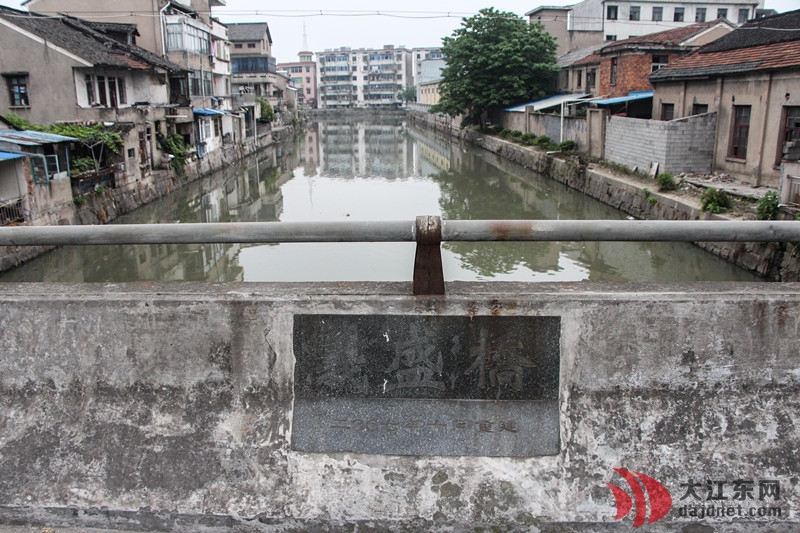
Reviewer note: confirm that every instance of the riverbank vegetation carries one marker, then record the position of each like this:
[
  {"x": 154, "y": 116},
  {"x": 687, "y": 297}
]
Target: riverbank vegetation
[{"x": 495, "y": 59}]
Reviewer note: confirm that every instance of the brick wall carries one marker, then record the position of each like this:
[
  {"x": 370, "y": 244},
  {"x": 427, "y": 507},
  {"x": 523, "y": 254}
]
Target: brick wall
[
  {"x": 632, "y": 73},
  {"x": 682, "y": 145}
]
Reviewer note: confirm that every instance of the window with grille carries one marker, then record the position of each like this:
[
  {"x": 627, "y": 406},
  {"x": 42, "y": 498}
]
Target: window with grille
[
  {"x": 678, "y": 16},
  {"x": 658, "y": 14},
  {"x": 18, "y": 90},
  {"x": 700, "y": 14},
  {"x": 741, "y": 131},
  {"x": 635, "y": 13},
  {"x": 612, "y": 12}
]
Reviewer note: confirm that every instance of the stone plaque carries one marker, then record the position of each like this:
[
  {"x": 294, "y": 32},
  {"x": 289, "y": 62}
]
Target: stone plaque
[{"x": 426, "y": 385}]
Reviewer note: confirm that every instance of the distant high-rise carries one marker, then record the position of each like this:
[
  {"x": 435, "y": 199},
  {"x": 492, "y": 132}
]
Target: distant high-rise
[{"x": 363, "y": 77}]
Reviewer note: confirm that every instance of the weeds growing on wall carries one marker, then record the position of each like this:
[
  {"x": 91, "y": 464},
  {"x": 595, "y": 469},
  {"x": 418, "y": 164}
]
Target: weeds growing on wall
[
  {"x": 716, "y": 201},
  {"x": 767, "y": 207}
]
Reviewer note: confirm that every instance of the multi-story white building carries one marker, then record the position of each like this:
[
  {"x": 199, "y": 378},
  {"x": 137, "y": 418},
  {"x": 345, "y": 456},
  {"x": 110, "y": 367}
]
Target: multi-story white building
[
  {"x": 428, "y": 63},
  {"x": 593, "y": 22},
  {"x": 363, "y": 77}
]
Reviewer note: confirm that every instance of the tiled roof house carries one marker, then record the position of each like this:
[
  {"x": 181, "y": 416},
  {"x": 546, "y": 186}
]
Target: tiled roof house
[{"x": 751, "y": 79}]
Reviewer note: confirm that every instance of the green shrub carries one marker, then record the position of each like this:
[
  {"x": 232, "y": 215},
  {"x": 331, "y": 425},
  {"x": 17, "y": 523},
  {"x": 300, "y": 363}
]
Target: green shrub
[
  {"x": 81, "y": 164},
  {"x": 516, "y": 134},
  {"x": 566, "y": 146},
  {"x": 666, "y": 182},
  {"x": 528, "y": 138},
  {"x": 716, "y": 201},
  {"x": 505, "y": 133},
  {"x": 495, "y": 130},
  {"x": 767, "y": 207},
  {"x": 173, "y": 144}
]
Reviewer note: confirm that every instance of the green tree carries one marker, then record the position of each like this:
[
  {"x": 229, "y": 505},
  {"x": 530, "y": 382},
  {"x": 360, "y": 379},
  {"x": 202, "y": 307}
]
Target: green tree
[
  {"x": 495, "y": 59},
  {"x": 267, "y": 113},
  {"x": 409, "y": 94}
]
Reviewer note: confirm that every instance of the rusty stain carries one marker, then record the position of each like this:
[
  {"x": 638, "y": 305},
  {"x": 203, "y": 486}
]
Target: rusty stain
[
  {"x": 505, "y": 230},
  {"x": 428, "y": 273},
  {"x": 472, "y": 310}
]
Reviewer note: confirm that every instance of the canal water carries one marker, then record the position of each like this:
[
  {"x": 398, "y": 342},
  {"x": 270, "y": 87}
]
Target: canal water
[{"x": 342, "y": 170}]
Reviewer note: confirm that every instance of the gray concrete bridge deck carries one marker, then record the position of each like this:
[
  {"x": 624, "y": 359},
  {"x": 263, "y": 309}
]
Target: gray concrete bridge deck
[{"x": 169, "y": 407}]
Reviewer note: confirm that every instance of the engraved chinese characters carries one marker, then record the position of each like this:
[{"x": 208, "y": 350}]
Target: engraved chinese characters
[{"x": 419, "y": 385}]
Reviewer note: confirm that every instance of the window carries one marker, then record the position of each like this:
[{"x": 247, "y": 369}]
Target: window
[
  {"x": 678, "y": 16},
  {"x": 791, "y": 131},
  {"x": 184, "y": 37},
  {"x": 579, "y": 79},
  {"x": 636, "y": 13},
  {"x": 591, "y": 78},
  {"x": 614, "y": 71},
  {"x": 611, "y": 12},
  {"x": 18, "y": 90},
  {"x": 251, "y": 45},
  {"x": 308, "y": 79},
  {"x": 722, "y": 13},
  {"x": 200, "y": 85},
  {"x": 611, "y": 37},
  {"x": 308, "y": 91},
  {"x": 105, "y": 91},
  {"x": 667, "y": 111},
  {"x": 744, "y": 14},
  {"x": 238, "y": 45},
  {"x": 308, "y": 69},
  {"x": 658, "y": 14},
  {"x": 699, "y": 109},
  {"x": 131, "y": 153},
  {"x": 659, "y": 61},
  {"x": 741, "y": 131},
  {"x": 700, "y": 14}
]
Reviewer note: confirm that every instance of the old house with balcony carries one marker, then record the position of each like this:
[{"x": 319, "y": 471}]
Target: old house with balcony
[
  {"x": 184, "y": 33},
  {"x": 75, "y": 74},
  {"x": 750, "y": 78},
  {"x": 34, "y": 176}
]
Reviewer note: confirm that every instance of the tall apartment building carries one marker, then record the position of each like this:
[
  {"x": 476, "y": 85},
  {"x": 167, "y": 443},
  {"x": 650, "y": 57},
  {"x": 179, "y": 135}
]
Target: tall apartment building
[
  {"x": 303, "y": 77},
  {"x": 593, "y": 22},
  {"x": 363, "y": 77}
]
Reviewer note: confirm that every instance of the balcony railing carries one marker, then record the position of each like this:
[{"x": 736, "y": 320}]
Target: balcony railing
[{"x": 11, "y": 211}]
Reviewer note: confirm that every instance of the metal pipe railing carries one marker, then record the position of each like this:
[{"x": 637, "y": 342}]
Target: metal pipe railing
[
  {"x": 405, "y": 231},
  {"x": 427, "y": 232}
]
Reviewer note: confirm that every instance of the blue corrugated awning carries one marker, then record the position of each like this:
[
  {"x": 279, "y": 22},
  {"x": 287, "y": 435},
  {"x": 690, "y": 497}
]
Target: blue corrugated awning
[
  {"x": 635, "y": 95},
  {"x": 7, "y": 156},
  {"x": 552, "y": 101},
  {"x": 207, "y": 112},
  {"x": 33, "y": 138}
]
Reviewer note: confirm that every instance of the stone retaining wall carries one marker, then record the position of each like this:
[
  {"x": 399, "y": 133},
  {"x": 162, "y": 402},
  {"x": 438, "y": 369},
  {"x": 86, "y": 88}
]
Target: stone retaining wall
[
  {"x": 774, "y": 261},
  {"x": 106, "y": 205}
]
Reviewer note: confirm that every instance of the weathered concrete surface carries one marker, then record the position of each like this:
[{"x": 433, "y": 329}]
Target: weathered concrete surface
[{"x": 169, "y": 406}]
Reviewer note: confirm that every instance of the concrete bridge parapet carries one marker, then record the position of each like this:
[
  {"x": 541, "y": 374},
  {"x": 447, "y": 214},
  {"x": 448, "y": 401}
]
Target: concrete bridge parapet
[{"x": 171, "y": 407}]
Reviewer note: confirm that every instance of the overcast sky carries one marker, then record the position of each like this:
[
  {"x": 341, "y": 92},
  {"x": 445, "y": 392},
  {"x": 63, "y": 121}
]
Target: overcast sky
[{"x": 358, "y": 24}]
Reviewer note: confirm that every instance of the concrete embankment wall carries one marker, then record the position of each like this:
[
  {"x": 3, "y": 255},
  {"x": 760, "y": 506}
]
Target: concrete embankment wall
[
  {"x": 106, "y": 205},
  {"x": 170, "y": 407},
  {"x": 774, "y": 261}
]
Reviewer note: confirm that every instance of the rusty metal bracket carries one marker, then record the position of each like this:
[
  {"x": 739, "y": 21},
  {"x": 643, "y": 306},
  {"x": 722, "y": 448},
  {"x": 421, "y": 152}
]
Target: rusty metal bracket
[{"x": 428, "y": 274}]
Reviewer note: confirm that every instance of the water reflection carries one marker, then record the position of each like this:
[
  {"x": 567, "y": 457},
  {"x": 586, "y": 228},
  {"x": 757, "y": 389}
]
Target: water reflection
[{"x": 379, "y": 170}]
